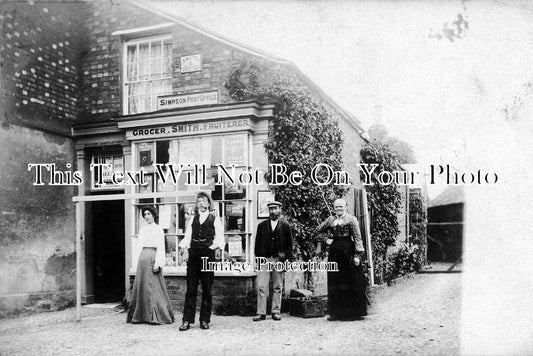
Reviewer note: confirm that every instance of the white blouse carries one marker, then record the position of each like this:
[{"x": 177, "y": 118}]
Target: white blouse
[{"x": 152, "y": 235}]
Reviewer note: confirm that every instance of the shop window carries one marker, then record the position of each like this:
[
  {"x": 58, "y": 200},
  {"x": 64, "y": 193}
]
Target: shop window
[
  {"x": 231, "y": 201},
  {"x": 148, "y": 73},
  {"x": 115, "y": 160}
]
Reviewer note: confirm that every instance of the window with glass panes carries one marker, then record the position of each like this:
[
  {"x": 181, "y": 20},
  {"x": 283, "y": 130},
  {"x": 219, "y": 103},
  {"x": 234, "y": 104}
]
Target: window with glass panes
[
  {"x": 148, "y": 73},
  {"x": 231, "y": 202}
]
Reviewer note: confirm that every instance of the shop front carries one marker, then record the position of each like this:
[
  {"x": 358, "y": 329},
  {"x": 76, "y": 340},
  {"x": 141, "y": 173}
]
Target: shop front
[{"x": 162, "y": 159}]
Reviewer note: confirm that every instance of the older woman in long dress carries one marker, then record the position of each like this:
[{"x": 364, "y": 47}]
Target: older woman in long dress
[
  {"x": 347, "y": 299},
  {"x": 149, "y": 301}
]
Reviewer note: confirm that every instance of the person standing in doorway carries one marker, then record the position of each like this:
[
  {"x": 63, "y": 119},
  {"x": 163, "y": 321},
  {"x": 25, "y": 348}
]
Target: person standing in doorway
[
  {"x": 203, "y": 235},
  {"x": 273, "y": 243}
]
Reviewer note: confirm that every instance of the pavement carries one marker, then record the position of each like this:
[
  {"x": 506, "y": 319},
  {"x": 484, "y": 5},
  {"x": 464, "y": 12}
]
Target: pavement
[{"x": 417, "y": 315}]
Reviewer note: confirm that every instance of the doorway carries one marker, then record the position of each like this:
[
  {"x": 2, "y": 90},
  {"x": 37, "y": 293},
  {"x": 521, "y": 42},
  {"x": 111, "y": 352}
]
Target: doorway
[{"x": 108, "y": 251}]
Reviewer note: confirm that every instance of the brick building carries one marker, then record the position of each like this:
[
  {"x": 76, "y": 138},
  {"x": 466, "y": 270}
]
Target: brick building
[{"x": 114, "y": 82}]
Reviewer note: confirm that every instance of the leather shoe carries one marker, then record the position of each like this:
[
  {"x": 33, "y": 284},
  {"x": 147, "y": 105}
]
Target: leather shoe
[
  {"x": 185, "y": 326},
  {"x": 259, "y": 317},
  {"x": 204, "y": 325},
  {"x": 276, "y": 316}
]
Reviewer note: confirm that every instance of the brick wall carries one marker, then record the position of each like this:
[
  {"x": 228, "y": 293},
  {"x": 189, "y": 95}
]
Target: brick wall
[
  {"x": 40, "y": 49},
  {"x": 39, "y": 86},
  {"x": 222, "y": 286},
  {"x": 101, "y": 59},
  {"x": 60, "y": 64}
]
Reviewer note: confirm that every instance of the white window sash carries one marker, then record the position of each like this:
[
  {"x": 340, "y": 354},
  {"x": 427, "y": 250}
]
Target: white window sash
[{"x": 141, "y": 99}]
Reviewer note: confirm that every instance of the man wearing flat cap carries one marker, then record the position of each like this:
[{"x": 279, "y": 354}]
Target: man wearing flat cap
[
  {"x": 273, "y": 242},
  {"x": 203, "y": 235}
]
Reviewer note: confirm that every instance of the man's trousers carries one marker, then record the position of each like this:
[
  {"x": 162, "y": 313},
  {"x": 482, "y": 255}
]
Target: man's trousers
[
  {"x": 262, "y": 285},
  {"x": 194, "y": 275}
]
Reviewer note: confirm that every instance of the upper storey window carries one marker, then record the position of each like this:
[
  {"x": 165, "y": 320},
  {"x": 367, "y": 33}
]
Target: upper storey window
[{"x": 148, "y": 73}]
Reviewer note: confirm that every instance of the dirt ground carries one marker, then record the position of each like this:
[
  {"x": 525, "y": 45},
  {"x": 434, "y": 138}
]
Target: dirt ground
[{"x": 418, "y": 315}]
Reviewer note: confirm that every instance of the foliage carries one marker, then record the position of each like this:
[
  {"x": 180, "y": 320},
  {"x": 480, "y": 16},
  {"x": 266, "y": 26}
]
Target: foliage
[
  {"x": 304, "y": 134},
  {"x": 417, "y": 220},
  {"x": 405, "y": 152},
  {"x": 402, "y": 149},
  {"x": 408, "y": 259},
  {"x": 453, "y": 31},
  {"x": 384, "y": 202},
  {"x": 383, "y": 271},
  {"x": 238, "y": 305}
]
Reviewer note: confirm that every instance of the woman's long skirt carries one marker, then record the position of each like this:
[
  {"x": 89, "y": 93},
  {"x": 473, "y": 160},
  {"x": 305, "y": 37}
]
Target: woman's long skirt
[
  {"x": 347, "y": 299},
  {"x": 149, "y": 301}
]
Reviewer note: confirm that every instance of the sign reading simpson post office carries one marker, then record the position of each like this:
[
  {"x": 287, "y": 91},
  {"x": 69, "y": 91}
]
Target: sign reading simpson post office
[{"x": 187, "y": 100}]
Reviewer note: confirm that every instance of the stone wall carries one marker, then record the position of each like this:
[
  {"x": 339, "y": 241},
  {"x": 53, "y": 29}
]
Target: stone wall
[{"x": 37, "y": 224}]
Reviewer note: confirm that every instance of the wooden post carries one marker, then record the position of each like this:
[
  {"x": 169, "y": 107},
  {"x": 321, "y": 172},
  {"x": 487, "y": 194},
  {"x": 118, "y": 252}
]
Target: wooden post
[
  {"x": 366, "y": 217},
  {"x": 78, "y": 261}
]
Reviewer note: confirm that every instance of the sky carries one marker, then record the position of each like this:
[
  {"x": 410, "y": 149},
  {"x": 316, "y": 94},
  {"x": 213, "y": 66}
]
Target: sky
[
  {"x": 446, "y": 99},
  {"x": 381, "y": 61}
]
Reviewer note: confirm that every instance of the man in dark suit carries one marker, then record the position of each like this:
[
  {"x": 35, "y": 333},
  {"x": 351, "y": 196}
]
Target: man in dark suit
[{"x": 273, "y": 243}]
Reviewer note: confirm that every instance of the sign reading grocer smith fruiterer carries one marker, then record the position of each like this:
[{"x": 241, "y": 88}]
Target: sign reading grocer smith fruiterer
[
  {"x": 187, "y": 100},
  {"x": 186, "y": 129}
]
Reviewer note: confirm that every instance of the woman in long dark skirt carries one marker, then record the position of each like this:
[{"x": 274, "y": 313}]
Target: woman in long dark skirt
[
  {"x": 347, "y": 299},
  {"x": 149, "y": 301}
]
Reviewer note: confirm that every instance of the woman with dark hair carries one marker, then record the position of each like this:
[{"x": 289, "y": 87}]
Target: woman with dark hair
[{"x": 149, "y": 301}]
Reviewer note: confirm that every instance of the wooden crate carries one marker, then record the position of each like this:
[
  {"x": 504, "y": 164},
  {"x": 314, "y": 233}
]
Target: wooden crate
[{"x": 308, "y": 307}]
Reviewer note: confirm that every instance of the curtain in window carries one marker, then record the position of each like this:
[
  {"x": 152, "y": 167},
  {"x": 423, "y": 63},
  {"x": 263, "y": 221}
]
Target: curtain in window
[{"x": 147, "y": 63}]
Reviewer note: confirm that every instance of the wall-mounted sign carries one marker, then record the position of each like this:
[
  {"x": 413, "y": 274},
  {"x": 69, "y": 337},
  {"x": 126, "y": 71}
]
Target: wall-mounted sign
[
  {"x": 235, "y": 149},
  {"x": 191, "y": 63},
  {"x": 186, "y": 100},
  {"x": 188, "y": 129}
]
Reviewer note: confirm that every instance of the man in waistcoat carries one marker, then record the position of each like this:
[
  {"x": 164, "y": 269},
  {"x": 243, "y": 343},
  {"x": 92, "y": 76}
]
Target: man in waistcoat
[
  {"x": 203, "y": 235},
  {"x": 273, "y": 243}
]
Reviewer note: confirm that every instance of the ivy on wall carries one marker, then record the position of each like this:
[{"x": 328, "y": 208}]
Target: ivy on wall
[
  {"x": 304, "y": 133},
  {"x": 418, "y": 224},
  {"x": 384, "y": 202}
]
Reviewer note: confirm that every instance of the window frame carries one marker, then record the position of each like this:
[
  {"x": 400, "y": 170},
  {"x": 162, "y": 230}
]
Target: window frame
[
  {"x": 247, "y": 202},
  {"x": 125, "y": 82}
]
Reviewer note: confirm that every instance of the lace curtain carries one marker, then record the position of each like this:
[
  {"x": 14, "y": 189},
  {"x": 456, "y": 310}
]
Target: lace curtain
[{"x": 149, "y": 74}]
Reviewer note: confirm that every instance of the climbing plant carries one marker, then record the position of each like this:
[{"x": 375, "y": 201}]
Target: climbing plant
[
  {"x": 304, "y": 133},
  {"x": 384, "y": 202}
]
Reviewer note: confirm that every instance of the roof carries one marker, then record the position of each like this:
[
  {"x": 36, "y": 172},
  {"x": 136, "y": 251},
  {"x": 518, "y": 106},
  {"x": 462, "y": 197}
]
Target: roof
[
  {"x": 451, "y": 195},
  {"x": 256, "y": 52}
]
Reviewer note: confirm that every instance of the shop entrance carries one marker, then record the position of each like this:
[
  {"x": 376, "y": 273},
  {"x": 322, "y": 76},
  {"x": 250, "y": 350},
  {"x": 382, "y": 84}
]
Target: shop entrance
[{"x": 108, "y": 250}]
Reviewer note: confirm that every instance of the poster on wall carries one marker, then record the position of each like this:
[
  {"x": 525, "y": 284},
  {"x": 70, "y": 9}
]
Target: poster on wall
[
  {"x": 235, "y": 246},
  {"x": 235, "y": 150},
  {"x": 165, "y": 216},
  {"x": 263, "y": 198}
]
